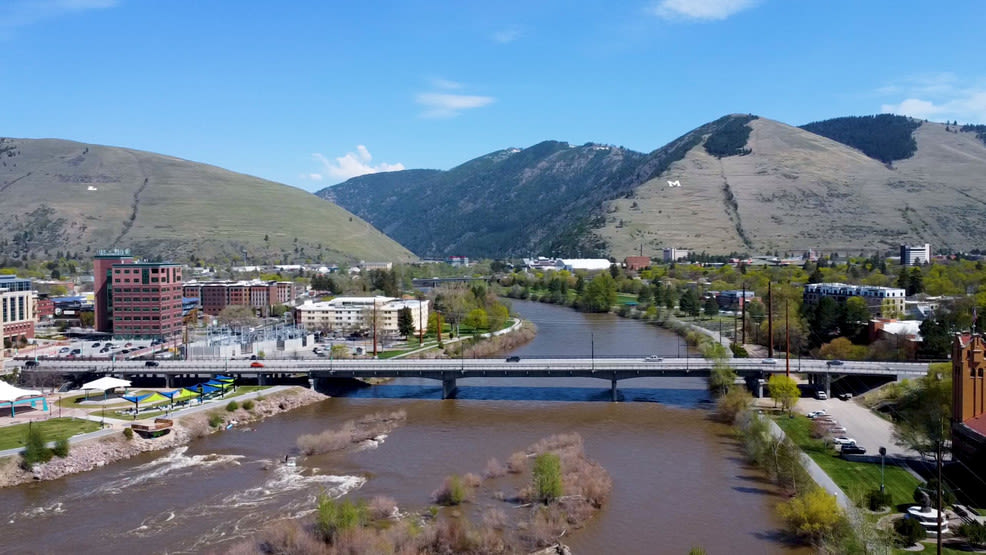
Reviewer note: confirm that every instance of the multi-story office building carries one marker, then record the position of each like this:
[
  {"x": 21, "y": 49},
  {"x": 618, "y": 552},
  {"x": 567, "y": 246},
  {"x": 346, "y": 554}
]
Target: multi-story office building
[
  {"x": 16, "y": 308},
  {"x": 214, "y": 296},
  {"x": 134, "y": 298},
  {"x": 349, "y": 314},
  {"x": 911, "y": 255},
  {"x": 672, "y": 254},
  {"x": 886, "y": 302}
]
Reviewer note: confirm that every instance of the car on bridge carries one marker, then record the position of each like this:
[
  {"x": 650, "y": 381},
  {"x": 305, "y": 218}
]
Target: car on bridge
[
  {"x": 513, "y": 358},
  {"x": 768, "y": 361},
  {"x": 256, "y": 364},
  {"x": 835, "y": 363},
  {"x": 653, "y": 358},
  {"x": 151, "y": 363}
]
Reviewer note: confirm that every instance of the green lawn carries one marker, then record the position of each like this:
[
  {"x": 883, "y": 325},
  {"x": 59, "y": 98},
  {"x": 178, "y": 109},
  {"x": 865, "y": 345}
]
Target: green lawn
[
  {"x": 55, "y": 428},
  {"x": 855, "y": 478}
]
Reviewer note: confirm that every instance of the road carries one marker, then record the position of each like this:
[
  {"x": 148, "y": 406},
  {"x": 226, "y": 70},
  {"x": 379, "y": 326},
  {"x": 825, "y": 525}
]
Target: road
[{"x": 868, "y": 429}]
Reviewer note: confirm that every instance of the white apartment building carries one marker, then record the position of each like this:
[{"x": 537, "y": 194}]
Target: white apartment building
[
  {"x": 350, "y": 314},
  {"x": 885, "y": 302},
  {"x": 915, "y": 254},
  {"x": 672, "y": 254}
]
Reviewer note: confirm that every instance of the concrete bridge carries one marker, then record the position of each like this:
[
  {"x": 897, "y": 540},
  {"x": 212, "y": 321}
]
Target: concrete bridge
[{"x": 449, "y": 371}]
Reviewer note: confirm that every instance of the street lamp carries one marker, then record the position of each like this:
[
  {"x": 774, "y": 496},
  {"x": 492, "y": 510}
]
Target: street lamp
[
  {"x": 883, "y": 453},
  {"x": 592, "y": 346}
]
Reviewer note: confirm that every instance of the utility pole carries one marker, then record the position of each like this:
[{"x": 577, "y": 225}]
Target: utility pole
[
  {"x": 421, "y": 329},
  {"x": 770, "y": 321},
  {"x": 374, "y": 328},
  {"x": 743, "y": 300},
  {"x": 787, "y": 339}
]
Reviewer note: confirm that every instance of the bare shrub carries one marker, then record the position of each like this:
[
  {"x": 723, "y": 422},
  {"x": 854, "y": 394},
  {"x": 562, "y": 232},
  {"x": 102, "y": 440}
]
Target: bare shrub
[
  {"x": 557, "y": 443},
  {"x": 471, "y": 480},
  {"x": 351, "y": 431},
  {"x": 494, "y": 469},
  {"x": 495, "y": 519},
  {"x": 452, "y": 492},
  {"x": 544, "y": 527},
  {"x": 517, "y": 462},
  {"x": 361, "y": 540},
  {"x": 287, "y": 536},
  {"x": 382, "y": 507},
  {"x": 451, "y": 535}
]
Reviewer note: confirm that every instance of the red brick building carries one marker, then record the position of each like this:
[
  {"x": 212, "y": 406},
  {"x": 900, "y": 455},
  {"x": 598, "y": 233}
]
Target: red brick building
[
  {"x": 969, "y": 400},
  {"x": 261, "y": 295},
  {"x": 634, "y": 263},
  {"x": 138, "y": 299}
]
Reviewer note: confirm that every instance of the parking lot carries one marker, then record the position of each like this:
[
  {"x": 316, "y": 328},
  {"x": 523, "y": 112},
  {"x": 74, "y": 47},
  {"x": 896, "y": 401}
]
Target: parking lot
[{"x": 868, "y": 429}]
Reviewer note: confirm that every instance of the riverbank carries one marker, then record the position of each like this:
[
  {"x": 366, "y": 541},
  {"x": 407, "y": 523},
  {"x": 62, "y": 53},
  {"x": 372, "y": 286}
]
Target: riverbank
[{"x": 101, "y": 449}]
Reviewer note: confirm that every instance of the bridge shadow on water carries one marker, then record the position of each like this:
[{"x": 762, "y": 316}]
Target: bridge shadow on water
[{"x": 689, "y": 398}]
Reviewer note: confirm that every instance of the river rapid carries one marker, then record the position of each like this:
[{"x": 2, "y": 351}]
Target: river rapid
[{"x": 679, "y": 480}]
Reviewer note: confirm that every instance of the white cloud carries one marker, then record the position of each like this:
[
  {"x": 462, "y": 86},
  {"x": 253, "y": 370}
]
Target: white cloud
[
  {"x": 507, "y": 35},
  {"x": 702, "y": 10},
  {"x": 350, "y": 165},
  {"x": 21, "y": 13},
  {"x": 938, "y": 96},
  {"x": 446, "y": 105},
  {"x": 445, "y": 84}
]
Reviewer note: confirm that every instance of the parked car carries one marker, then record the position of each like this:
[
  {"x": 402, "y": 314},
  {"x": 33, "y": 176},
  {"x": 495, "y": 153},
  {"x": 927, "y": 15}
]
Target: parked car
[
  {"x": 151, "y": 363},
  {"x": 816, "y": 413},
  {"x": 94, "y": 345},
  {"x": 76, "y": 352},
  {"x": 845, "y": 396},
  {"x": 256, "y": 364},
  {"x": 513, "y": 358},
  {"x": 653, "y": 358},
  {"x": 853, "y": 449},
  {"x": 821, "y": 395},
  {"x": 837, "y": 430},
  {"x": 31, "y": 364},
  {"x": 835, "y": 363},
  {"x": 64, "y": 350},
  {"x": 843, "y": 440},
  {"x": 768, "y": 361}
]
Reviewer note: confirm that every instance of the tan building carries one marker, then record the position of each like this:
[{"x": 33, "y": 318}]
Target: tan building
[
  {"x": 354, "y": 314},
  {"x": 885, "y": 302},
  {"x": 16, "y": 308}
]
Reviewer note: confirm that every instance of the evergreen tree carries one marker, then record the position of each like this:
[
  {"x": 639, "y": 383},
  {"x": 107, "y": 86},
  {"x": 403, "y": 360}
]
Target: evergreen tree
[{"x": 405, "y": 322}]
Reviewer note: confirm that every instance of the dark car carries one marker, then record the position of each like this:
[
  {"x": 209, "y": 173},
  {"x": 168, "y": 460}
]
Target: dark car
[
  {"x": 853, "y": 450},
  {"x": 151, "y": 363},
  {"x": 513, "y": 358},
  {"x": 835, "y": 363},
  {"x": 31, "y": 364}
]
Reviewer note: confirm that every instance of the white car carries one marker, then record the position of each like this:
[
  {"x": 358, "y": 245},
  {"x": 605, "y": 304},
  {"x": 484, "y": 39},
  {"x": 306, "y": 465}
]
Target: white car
[
  {"x": 816, "y": 413},
  {"x": 843, "y": 440},
  {"x": 653, "y": 358},
  {"x": 768, "y": 361},
  {"x": 837, "y": 430}
]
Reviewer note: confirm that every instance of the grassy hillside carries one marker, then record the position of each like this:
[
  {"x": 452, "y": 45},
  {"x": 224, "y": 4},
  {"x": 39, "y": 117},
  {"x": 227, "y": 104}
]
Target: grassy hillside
[
  {"x": 63, "y": 196},
  {"x": 797, "y": 190}
]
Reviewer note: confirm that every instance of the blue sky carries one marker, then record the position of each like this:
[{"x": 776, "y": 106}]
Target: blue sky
[{"x": 310, "y": 93}]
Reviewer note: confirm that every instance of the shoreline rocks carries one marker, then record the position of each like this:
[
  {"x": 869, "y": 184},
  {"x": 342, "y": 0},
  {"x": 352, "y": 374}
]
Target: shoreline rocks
[{"x": 98, "y": 452}]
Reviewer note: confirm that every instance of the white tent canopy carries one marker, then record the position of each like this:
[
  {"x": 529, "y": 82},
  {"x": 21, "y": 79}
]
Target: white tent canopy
[
  {"x": 106, "y": 383},
  {"x": 11, "y": 393}
]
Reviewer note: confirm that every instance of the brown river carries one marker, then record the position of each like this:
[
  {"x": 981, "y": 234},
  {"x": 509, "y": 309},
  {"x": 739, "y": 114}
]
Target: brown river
[{"x": 679, "y": 480}]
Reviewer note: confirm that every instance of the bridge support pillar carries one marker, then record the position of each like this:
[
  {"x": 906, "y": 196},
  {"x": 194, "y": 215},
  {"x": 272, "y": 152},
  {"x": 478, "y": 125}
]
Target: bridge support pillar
[
  {"x": 169, "y": 381},
  {"x": 311, "y": 383},
  {"x": 614, "y": 393},
  {"x": 448, "y": 388},
  {"x": 828, "y": 385},
  {"x": 759, "y": 389},
  {"x": 261, "y": 379}
]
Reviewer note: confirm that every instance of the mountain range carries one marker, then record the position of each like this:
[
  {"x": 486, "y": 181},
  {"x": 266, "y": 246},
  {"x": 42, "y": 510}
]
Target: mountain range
[{"x": 738, "y": 184}]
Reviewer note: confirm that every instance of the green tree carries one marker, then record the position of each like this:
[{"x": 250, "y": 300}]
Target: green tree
[
  {"x": 721, "y": 378},
  {"x": 405, "y": 322},
  {"x": 333, "y": 517},
  {"x": 498, "y": 316},
  {"x": 812, "y": 515},
  {"x": 35, "y": 451},
  {"x": 547, "y": 482},
  {"x": 915, "y": 282},
  {"x": 711, "y": 307},
  {"x": 237, "y": 316},
  {"x": 924, "y": 412},
  {"x": 477, "y": 319},
  {"x": 689, "y": 302},
  {"x": 784, "y": 390},
  {"x": 599, "y": 295}
]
